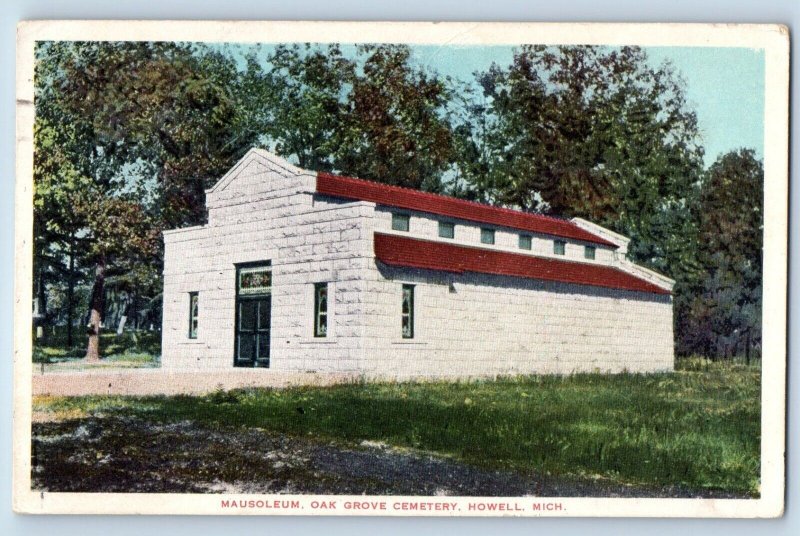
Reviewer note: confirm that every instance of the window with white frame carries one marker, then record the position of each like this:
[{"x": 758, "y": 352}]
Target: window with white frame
[
  {"x": 559, "y": 247},
  {"x": 320, "y": 310},
  {"x": 400, "y": 222},
  {"x": 193, "y": 314},
  {"x": 447, "y": 229},
  {"x": 407, "y": 312}
]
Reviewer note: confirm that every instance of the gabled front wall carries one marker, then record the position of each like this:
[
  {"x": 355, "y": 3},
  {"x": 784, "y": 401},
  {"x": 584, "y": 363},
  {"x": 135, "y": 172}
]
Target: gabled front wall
[{"x": 268, "y": 214}]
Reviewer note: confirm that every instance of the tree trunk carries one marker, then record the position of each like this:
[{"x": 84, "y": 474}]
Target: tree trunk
[
  {"x": 70, "y": 291},
  {"x": 121, "y": 326},
  {"x": 123, "y": 312},
  {"x": 96, "y": 314},
  {"x": 41, "y": 305},
  {"x": 747, "y": 349},
  {"x": 133, "y": 312}
]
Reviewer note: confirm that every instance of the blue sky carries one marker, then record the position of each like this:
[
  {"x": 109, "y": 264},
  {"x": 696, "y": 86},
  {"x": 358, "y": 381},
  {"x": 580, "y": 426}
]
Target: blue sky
[{"x": 725, "y": 86}]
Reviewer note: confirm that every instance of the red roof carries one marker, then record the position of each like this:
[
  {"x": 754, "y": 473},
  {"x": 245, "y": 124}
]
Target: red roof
[
  {"x": 395, "y": 196},
  {"x": 414, "y": 253}
]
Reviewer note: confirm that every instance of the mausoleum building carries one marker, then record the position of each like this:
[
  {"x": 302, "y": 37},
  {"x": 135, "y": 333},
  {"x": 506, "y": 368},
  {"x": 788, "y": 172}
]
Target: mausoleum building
[{"x": 312, "y": 272}]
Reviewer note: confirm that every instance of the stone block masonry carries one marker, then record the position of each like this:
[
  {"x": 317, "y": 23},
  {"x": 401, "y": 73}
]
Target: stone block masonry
[{"x": 465, "y": 324}]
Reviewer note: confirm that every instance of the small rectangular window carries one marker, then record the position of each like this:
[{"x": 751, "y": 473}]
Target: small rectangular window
[
  {"x": 559, "y": 247},
  {"x": 400, "y": 222},
  {"x": 193, "y": 314},
  {"x": 487, "y": 236},
  {"x": 407, "y": 312},
  {"x": 588, "y": 252},
  {"x": 320, "y": 309},
  {"x": 447, "y": 229},
  {"x": 525, "y": 241}
]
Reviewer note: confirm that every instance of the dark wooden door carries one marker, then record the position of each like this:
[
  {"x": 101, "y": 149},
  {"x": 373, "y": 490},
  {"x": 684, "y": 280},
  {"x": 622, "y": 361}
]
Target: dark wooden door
[{"x": 253, "y": 319}]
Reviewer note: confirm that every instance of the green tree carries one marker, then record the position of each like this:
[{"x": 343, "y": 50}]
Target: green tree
[
  {"x": 57, "y": 239},
  {"x": 374, "y": 115},
  {"x": 65, "y": 156},
  {"x": 727, "y": 306},
  {"x": 586, "y": 131},
  {"x": 394, "y": 130},
  {"x": 298, "y": 98},
  {"x": 142, "y": 130}
]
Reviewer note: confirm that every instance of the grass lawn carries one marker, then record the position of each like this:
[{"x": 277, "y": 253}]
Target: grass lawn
[{"x": 697, "y": 428}]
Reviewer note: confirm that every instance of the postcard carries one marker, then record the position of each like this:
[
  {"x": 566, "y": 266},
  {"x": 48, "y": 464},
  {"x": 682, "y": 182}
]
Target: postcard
[{"x": 401, "y": 269}]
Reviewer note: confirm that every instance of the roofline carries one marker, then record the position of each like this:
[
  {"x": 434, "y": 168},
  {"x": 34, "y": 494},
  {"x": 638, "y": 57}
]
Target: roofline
[
  {"x": 409, "y": 199},
  {"x": 608, "y": 234},
  {"x": 515, "y": 266},
  {"x": 182, "y": 229},
  {"x": 646, "y": 273},
  {"x": 270, "y": 159}
]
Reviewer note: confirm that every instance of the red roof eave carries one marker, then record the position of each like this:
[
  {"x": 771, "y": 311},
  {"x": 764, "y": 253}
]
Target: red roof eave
[
  {"x": 427, "y": 254},
  {"x": 395, "y": 196}
]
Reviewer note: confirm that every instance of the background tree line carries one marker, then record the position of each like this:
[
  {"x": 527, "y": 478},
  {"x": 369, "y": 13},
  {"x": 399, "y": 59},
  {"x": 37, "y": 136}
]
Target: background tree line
[{"x": 129, "y": 135}]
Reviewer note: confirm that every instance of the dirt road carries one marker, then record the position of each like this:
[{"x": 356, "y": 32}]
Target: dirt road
[
  {"x": 116, "y": 454},
  {"x": 157, "y": 381}
]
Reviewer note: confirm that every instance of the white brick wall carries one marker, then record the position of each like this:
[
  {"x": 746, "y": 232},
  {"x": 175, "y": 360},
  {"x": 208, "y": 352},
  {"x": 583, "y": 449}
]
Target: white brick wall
[{"x": 465, "y": 325}]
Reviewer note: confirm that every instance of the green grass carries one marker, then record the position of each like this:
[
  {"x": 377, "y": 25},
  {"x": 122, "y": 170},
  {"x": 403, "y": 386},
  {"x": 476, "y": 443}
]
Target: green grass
[
  {"x": 132, "y": 348},
  {"x": 698, "y": 429},
  {"x": 125, "y": 360}
]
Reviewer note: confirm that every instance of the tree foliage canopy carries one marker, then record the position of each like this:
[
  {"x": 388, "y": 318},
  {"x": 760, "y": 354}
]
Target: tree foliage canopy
[{"x": 374, "y": 115}]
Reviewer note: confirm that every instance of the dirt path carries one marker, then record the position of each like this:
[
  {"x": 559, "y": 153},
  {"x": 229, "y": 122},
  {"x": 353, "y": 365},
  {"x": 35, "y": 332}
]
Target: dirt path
[
  {"x": 156, "y": 381},
  {"x": 115, "y": 454}
]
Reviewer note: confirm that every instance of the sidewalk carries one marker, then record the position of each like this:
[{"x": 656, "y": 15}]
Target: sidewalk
[{"x": 153, "y": 381}]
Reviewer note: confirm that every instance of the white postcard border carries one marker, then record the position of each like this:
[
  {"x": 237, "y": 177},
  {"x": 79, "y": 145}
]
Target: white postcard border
[{"x": 772, "y": 38}]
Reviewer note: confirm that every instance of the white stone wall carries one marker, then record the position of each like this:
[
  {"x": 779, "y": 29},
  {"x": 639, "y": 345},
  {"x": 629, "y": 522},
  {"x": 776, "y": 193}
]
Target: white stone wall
[
  {"x": 479, "y": 325},
  {"x": 267, "y": 214}
]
